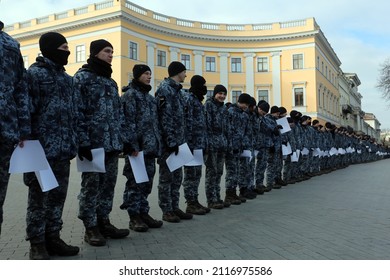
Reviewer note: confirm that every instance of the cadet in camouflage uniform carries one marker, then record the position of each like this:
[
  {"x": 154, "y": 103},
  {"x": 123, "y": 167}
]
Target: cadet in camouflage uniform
[
  {"x": 141, "y": 133},
  {"x": 237, "y": 142},
  {"x": 288, "y": 138},
  {"x": 53, "y": 123},
  {"x": 101, "y": 126},
  {"x": 171, "y": 116},
  {"x": 261, "y": 146},
  {"x": 217, "y": 133},
  {"x": 196, "y": 139},
  {"x": 14, "y": 111}
]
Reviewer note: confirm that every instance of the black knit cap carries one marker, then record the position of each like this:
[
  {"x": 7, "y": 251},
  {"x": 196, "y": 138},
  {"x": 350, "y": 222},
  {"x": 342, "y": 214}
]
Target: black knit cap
[
  {"x": 97, "y": 45},
  {"x": 282, "y": 110},
  {"x": 197, "y": 81},
  {"x": 139, "y": 69},
  {"x": 219, "y": 88},
  {"x": 274, "y": 109},
  {"x": 50, "y": 41},
  {"x": 244, "y": 98},
  {"x": 175, "y": 68},
  {"x": 263, "y": 105},
  {"x": 253, "y": 102}
]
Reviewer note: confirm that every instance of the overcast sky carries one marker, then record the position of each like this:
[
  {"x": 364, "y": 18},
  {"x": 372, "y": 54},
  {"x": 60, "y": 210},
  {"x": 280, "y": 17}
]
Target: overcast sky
[{"x": 357, "y": 30}]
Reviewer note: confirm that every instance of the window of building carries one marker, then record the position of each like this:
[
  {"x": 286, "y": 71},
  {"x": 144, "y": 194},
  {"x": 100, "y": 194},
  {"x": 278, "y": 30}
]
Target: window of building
[
  {"x": 236, "y": 64},
  {"x": 25, "y": 61},
  {"x": 186, "y": 60},
  {"x": 235, "y": 95},
  {"x": 80, "y": 53},
  {"x": 262, "y": 64},
  {"x": 133, "y": 50},
  {"x": 318, "y": 62},
  {"x": 326, "y": 71},
  {"x": 322, "y": 67},
  {"x": 298, "y": 97},
  {"x": 262, "y": 94},
  {"x": 210, "y": 93},
  {"x": 210, "y": 64},
  {"x": 298, "y": 61},
  {"x": 161, "y": 58}
]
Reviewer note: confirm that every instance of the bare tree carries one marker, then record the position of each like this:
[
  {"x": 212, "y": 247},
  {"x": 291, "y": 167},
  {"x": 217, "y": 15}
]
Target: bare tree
[{"x": 384, "y": 80}]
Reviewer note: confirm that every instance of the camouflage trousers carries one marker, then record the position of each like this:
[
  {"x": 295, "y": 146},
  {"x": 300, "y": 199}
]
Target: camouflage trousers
[
  {"x": 168, "y": 186},
  {"x": 44, "y": 209},
  {"x": 287, "y": 168},
  {"x": 261, "y": 165},
  {"x": 135, "y": 196},
  {"x": 5, "y": 156},
  {"x": 191, "y": 181},
  {"x": 232, "y": 171},
  {"x": 245, "y": 175},
  {"x": 271, "y": 170},
  {"x": 214, "y": 163},
  {"x": 97, "y": 192}
]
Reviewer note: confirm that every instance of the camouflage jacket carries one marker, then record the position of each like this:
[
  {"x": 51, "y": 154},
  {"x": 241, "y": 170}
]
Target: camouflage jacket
[
  {"x": 141, "y": 129},
  {"x": 195, "y": 123},
  {"x": 53, "y": 109},
  {"x": 239, "y": 135},
  {"x": 14, "y": 100},
  {"x": 101, "y": 115},
  {"x": 216, "y": 125},
  {"x": 171, "y": 113}
]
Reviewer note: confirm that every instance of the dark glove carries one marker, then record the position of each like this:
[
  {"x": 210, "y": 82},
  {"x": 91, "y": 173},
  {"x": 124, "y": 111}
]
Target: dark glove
[
  {"x": 284, "y": 143},
  {"x": 85, "y": 152},
  {"x": 236, "y": 152},
  {"x": 174, "y": 149},
  {"x": 279, "y": 126},
  {"x": 272, "y": 149},
  {"x": 127, "y": 149},
  {"x": 276, "y": 131}
]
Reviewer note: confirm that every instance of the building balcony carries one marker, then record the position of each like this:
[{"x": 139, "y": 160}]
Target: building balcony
[{"x": 346, "y": 109}]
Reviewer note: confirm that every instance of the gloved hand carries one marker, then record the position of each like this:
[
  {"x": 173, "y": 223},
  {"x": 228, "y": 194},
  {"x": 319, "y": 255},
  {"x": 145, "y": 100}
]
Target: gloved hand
[
  {"x": 85, "y": 152},
  {"x": 127, "y": 149},
  {"x": 279, "y": 126},
  {"x": 272, "y": 149},
  {"x": 174, "y": 149}
]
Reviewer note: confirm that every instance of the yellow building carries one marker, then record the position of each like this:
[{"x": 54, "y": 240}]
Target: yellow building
[{"x": 290, "y": 64}]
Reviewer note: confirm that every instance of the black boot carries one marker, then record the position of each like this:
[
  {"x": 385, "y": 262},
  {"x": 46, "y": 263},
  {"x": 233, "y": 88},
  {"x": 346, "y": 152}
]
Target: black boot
[
  {"x": 231, "y": 197},
  {"x": 38, "y": 251},
  {"x": 93, "y": 237},
  {"x": 137, "y": 224},
  {"x": 110, "y": 231},
  {"x": 207, "y": 209},
  {"x": 150, "y": 222},
  {"x": 56, "y": 246},
  {"x": 182, "y": 215},
  {"x": 194, "y": 208}
]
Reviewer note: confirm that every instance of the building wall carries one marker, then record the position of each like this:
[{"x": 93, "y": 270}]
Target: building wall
[{"x": 122, "y": 22}]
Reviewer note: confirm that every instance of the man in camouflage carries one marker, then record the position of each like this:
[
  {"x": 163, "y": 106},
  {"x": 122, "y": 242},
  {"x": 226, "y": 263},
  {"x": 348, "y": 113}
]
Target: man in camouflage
[
  {"x": 238, "y": 141},
  {"x": 196, "y": 140},
  {"x": 14, "y": 111},
  {"x": 171, "y": 109},
  {"x": 141, "y": 133},
  {"x": 53, "y": 123},
  {"x": 100, "y": 126},
  {"x": 217, "y": 133}
]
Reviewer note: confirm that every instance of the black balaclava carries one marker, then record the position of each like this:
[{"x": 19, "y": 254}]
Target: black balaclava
[
  {"x": 198, "y": 87},
  {"x": 49, "y": 43}
]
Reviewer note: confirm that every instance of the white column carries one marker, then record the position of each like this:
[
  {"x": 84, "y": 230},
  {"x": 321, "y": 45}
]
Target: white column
[
  {"x": 249, "y": 74},
  {"x": 224, "y": 69},
  {"x": 174, "y": 53},
  {"x": 198, "y": 62},
  {"x": 277, "y": 94},
  {"x": 150, "y": 61}
]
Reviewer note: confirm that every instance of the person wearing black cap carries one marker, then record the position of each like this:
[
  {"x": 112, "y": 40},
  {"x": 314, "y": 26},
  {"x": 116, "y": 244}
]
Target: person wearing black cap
[
  {"x": 14, "y": 107},
  {"x": 297, "y": 132},
  {"x": 196, "y": 140},
  {"x": 217, "y": 129},
  {"x": 237, "y": 143},
  {"x": 141, "y": 133},
  {"x": 273, "y": 145},
  {"x": 288, "y": 139},
  {"x": 100, "y": 126},
  {"x": 279, "y": 157},
  {"x": 171, "y": 117},
  {"x": 53, "y": 123}
]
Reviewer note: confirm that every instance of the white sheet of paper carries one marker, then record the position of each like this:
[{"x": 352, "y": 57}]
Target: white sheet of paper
[
  {"x": 183, "y": 156},
  {"x": 139, "y": 169},
  {"x": 246, "y": 153},
  {"x": 46, "y": 179},
  {"x": 286, "y": 149},
  {"x": 305, "y": 151},
  {"x": 96, "y": 165},
  {"x": 198, "y": 158},
  {"x": 255, "y": 153},
  {"x": 30, "y": 158},
  {"x": 317, "y": 152},
  {"x": 294, "y": 157},
  {"x": 283, "y": 122}
]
